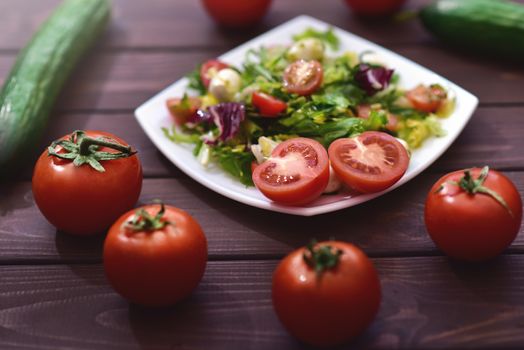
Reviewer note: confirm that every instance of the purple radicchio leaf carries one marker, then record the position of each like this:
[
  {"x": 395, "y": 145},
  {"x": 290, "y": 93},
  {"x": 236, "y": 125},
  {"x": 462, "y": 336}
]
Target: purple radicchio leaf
[
  {"x": 227, "y": 117},
  {"x": 199, "y": 117},
  {"x": 373, "y": 79}
]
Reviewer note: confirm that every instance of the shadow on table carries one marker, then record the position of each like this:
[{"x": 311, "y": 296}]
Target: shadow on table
[{"x": 211, "y": 316}]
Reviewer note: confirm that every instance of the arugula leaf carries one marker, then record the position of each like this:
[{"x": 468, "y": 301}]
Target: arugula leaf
[
  {"x": 376, "y": 120},
  {"x": 236, "y": 162},
  {"x": 328, "y": 37},
  {"x": 178, "y": 137}
]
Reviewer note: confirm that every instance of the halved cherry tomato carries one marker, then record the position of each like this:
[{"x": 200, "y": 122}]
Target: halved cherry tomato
[
  {"x": 268, "y": 105},
  {"x": 182, "y": 110},
  {"x": 426, "y": 99},
  {"x": 363, "y": 112},
  {"x": 303, "y": 77},
  {"x": 209, "y": 69},
  {"x": 473, "y": 214},
  {"x": 296, "y": 173},
  {"x": 370, "y": 162},
  {"x": 254, "y": 165}
]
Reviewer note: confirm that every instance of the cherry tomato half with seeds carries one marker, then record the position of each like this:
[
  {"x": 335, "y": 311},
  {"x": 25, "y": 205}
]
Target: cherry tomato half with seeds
[
  {"x": 155, "y": 255},
  {"x": 303, "y": 77},
  {"x": 473, "y": 214},
  {"x": 267, "y": 105},
  {"x": 327, "y": 293},
  {"x": 369, "y": 162},
  {"x": 209, "y": 69},
  {"x": 86, "y": 198},
  {"x": 426, "y": 98},
  {"x": 234, "y": 13},
  {"x": 296, "y": 173},
  {"x": 181, "y": 110}
]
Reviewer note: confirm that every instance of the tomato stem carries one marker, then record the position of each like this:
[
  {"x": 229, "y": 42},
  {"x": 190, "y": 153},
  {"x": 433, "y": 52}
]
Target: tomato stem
[
  {"x": 143, "y": 221},
  {"x": 473, "y": 186},
  {"x": 321, "y": 258},
  {"x": 82, "y": 149}
]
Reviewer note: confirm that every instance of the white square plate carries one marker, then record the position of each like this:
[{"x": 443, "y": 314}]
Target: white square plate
[{"x": 153, "y": 115}]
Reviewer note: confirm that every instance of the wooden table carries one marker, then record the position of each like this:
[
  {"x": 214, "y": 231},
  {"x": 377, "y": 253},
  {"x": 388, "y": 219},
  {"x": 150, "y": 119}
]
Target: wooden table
[{"x": 53, "y": 294}]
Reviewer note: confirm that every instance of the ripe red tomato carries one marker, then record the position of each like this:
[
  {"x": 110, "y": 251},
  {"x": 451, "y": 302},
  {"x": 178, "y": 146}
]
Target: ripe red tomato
[
  {"x": 268, "y": 105},
  {"x": 326, "y": 294},
  {"x": 79, "y": 199},
  {"x": 426, "y": 99},
  {"x": 155, "y": 256},
  {"x": 303, "y": 77},
  {"x": 234, "y": 13},
  {"x": 296, "y": 173},
  {"x": 209, "y": 69},
  {"x": 468, "y": 223},
  {"x": 369, "y": 162},
  {"x": 374, "y": 7},
  {"x": 182, "y": 110}
]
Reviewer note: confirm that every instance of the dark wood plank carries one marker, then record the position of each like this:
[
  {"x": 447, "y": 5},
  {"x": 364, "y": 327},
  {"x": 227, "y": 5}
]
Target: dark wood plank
[
  {"x": 124, "y": 80},
  {"x": 158, "y": 23},
  {"x": 391, "y": 225},
  {"x": 462, "y": 306},
  {"x": 493, "y": 134}
]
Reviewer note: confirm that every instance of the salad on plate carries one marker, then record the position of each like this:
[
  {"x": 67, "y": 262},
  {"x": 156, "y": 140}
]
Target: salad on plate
[{"x": 304, "y": 119}]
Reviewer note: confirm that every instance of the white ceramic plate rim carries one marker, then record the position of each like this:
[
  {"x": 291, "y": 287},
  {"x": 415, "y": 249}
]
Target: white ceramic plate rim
[{"x": 152, "y": 115}]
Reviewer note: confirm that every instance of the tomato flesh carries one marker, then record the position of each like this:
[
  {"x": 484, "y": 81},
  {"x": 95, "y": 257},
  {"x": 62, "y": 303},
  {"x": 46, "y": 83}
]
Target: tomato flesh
[
  {"x": 426, "y": 99},
  {"x": 296, "y": 173},
  {"x": 472, "y": 227},
  {"x": 370, "y": 162},
  {"x": 81, "y": 200},
  {"x": 329, "y": 309},
  {"x": 268, "y": 105},
  {"x": 158, "y": 267},
  {"x": 303, "y": 77},
  {"x": 209, "y": 69}
]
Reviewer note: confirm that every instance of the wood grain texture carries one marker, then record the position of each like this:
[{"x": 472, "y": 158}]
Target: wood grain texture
[
  {"x": 427, "y": 302},
  {"x": 139, "y": 24},
  {"x": 391, "y": 225},
  {"x": 124, "y": 80}
]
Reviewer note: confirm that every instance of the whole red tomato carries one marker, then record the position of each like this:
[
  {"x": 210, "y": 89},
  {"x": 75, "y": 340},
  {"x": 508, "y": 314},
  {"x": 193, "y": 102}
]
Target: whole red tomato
[
  {"x": 235, "y": 13},
  {"x": 474, "y": 214},
  {"x": 374, "y": 7},
  {"x": 327, "y": 293},
  {"x": 156, "y": 255},
  {"x": 85, "y": 181}
]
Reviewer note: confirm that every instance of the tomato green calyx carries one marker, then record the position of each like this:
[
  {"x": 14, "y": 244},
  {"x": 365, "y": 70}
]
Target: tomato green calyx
[
  {"x": 82, "y": 149},
  {"x": 143, "y": 221},
  {"x": 321, "y": 258},
  {"x": 473, "y": 186}
]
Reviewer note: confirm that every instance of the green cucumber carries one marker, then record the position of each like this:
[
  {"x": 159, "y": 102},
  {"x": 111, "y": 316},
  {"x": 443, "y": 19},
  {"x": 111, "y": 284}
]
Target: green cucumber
[
  {"x": 39, "y": 73},
  {"x": 494, "y": 27}
]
